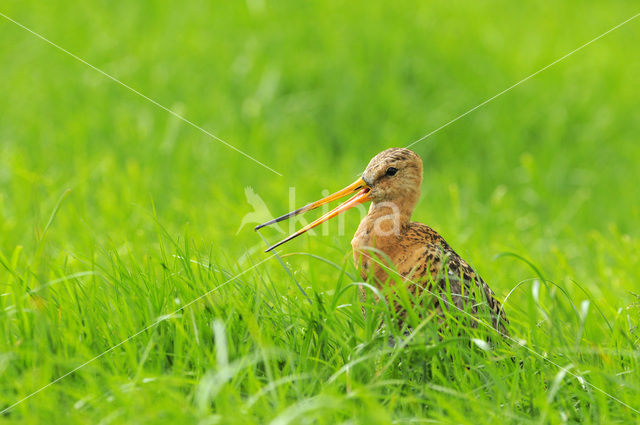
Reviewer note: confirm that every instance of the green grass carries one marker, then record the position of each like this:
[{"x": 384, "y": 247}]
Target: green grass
[{"x": 114, "y": 214}]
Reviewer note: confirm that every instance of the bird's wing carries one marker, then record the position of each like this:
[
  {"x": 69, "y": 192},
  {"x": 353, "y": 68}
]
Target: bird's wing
[
  {"x": 448, "y": 274},
  {"x": 468, "y": 291}
]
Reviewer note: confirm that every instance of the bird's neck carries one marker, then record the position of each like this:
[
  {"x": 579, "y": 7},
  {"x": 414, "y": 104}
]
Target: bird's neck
[
  {"x": 383, "y": 225},
  {"x": 389, "y": 214},
  {"x": 382, "y": 229}
]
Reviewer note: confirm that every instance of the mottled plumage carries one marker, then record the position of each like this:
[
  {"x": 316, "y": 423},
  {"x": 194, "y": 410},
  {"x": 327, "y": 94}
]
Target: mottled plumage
[{"x": 415, "y": 251}]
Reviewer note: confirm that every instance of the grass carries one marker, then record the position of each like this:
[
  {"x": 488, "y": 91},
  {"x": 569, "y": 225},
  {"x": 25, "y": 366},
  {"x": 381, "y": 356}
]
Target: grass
[{"x": 115, "y": 216}]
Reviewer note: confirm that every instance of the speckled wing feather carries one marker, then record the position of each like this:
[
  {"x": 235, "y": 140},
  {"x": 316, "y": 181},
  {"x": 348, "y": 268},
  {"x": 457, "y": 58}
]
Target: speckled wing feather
[{"x": 438, "y": 264}]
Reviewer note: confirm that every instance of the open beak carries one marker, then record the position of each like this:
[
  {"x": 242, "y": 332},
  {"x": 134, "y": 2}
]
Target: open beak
[{"x": 362, "y": 194}]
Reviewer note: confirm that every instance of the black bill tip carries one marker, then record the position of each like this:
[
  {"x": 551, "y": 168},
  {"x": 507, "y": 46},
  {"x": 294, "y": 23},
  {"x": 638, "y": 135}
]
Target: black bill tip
[
  {"x": 283, "y": 217},
  {"x": 287, "y": 239}
]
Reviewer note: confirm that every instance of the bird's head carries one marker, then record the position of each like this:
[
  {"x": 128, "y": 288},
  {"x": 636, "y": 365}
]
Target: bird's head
[{"x": 392, "y": 176}]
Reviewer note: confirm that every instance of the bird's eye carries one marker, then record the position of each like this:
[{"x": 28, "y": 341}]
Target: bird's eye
[{"x": 391, "y": 171}]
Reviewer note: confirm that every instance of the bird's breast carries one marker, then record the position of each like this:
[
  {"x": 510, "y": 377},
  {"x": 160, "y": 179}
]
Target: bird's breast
[
  {"x": 360, "y": 242},
  {"x": 374, "y": 242}
]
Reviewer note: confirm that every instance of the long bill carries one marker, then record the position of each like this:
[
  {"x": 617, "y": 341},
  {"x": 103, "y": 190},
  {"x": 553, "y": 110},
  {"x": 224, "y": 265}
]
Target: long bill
[{"x": 362, "y": 194}]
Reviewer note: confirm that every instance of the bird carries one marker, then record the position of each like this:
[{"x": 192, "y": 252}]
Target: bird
[{"x": 388, "y": 243}]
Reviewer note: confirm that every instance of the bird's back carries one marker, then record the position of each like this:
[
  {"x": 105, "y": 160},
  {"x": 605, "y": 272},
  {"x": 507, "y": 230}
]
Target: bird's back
[{"x": 421, "y": 256}]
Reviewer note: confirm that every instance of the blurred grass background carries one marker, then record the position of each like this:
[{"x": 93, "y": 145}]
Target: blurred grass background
[{"x": 548, "y": 171}]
